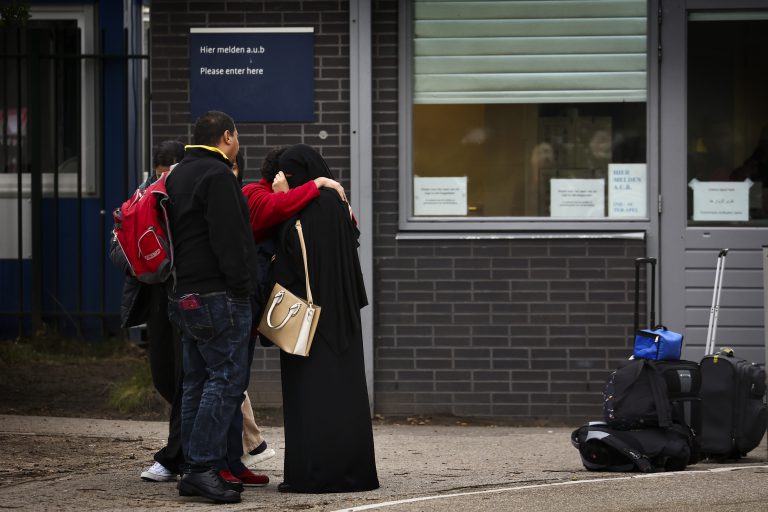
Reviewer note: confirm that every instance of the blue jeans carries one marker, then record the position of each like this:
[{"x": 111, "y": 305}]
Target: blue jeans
[{"x": 215, "y": 337}]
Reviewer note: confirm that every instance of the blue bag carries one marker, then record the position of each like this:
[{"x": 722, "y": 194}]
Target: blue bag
[{"x": 658, "y": 344}]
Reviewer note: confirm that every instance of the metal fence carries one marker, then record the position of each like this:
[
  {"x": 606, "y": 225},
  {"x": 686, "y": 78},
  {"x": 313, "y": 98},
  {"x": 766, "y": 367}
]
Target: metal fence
[{"x": 70, "y": 154}]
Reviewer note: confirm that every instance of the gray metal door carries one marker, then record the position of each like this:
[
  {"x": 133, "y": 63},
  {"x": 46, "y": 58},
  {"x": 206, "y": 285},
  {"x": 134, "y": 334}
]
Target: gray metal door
[{"x": 713, "y": 161}]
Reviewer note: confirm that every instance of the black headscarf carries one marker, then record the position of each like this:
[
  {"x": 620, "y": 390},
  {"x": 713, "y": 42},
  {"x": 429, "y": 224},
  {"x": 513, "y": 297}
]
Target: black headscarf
[
  {"x": 331, "y": 240},
  {"x": 301, "y": 163}
]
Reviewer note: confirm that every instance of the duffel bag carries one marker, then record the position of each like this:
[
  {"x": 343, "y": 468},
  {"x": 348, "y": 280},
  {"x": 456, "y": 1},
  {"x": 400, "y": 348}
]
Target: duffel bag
[{"x": 646, "y": 450}]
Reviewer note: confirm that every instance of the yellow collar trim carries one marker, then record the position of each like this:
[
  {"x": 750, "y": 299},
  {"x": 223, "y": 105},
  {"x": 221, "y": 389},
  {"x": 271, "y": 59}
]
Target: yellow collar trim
[{"x": 209, "y": 148}]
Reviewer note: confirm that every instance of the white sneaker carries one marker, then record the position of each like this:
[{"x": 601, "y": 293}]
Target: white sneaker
[
  {"x": 249, "y": 460},
  {"x": 158, "y": 473}
]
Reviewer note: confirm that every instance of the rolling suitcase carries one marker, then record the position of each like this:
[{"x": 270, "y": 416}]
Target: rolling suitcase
[
  {"x": 682, "y": 378},
  {"x": 734, "y": 415}
]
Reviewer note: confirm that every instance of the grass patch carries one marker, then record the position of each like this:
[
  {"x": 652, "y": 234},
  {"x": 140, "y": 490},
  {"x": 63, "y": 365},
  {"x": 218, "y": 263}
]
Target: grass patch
[
  {"x": 50, "y": 350},
  {"x": 135, "y": 395},
  {"x": 49, "y": 374}
]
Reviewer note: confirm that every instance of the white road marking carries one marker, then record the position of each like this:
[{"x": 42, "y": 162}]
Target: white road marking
[{"x": 540, "y": 486}]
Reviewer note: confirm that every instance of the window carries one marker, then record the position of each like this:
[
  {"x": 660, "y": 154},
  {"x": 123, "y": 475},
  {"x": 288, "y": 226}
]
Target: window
[
  {"x": 62, "y": 115},
  {"x": 727, "y": 161},
  {"x": 524, "y": 111}
]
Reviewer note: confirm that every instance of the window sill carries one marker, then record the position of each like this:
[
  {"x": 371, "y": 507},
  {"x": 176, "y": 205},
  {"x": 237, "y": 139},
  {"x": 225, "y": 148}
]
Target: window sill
[{"x": 575, "y": 235}]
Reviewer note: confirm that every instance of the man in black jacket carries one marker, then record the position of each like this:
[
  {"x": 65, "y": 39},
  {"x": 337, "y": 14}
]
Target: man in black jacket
[{"x": 215, "y": 275}]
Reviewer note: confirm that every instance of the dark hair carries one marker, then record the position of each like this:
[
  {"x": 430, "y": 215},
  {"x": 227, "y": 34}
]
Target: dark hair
[
  {"x": 240, "y": 168},
  {"x": 168, "y": 153},
  {"x": 210, "y": 126},
  {"x": 269, "y": 167}
]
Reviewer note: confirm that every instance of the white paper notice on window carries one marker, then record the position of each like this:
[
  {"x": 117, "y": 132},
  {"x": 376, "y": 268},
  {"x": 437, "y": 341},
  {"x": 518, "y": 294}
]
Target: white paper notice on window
[
  {"x": 627, "y": 190},
  {"x": 440, "y": 196},
  {"x": 576, "y": 199},
  {"x": 720, "y": 200}
]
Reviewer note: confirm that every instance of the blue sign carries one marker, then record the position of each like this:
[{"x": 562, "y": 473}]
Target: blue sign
[{"x": 253, "y": 74}]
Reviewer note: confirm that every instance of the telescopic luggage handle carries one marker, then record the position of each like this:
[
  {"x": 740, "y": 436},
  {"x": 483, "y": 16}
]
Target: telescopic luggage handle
[
  {"x": 639, "y": 262},
  {"x": 714, "y": 310}
]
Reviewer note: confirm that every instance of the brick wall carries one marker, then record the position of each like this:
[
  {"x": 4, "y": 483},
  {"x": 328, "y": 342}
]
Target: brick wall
[
  {"x": 518, "y": 329},
  {"x": 510, "y": 328},
  {"x": 170, "y": 24}
]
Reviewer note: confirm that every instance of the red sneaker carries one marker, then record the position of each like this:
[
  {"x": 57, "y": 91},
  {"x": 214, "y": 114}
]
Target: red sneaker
[
  {"x": 251, "y": 479},
  {"x": 231, "y": 480}
]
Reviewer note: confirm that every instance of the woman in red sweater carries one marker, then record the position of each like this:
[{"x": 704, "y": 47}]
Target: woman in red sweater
[{"x": 272, "y": 203}]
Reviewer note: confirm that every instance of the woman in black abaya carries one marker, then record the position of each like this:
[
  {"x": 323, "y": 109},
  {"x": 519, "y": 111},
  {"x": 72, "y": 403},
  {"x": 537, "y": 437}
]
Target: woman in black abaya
[{"x": 328, "y": 435}]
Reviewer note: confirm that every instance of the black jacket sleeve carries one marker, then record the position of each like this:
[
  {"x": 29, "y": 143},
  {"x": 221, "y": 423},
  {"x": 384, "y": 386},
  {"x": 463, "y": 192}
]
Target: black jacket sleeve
[{"x": 118, "y": 258}]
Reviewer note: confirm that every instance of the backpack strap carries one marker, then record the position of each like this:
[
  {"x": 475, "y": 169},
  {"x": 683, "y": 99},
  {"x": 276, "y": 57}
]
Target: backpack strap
[
  {"x": 638, "y": 459},
  {"x": 657, "y": 385},
  {"x": 660, "y": 394}
]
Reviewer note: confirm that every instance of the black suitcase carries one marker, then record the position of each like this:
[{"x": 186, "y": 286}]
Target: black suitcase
[
  {"x": 734, "y": 416},
  {"x": 683, "y": 378}
]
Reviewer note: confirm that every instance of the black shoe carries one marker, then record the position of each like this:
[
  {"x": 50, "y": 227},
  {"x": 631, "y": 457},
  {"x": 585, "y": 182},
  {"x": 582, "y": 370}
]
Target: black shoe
[
  {"x": 207, "y": 484},
  {"x": 285, "y": 487},
  {"x": 238, "y": 488},
  {"x": 231, "y": 481}
]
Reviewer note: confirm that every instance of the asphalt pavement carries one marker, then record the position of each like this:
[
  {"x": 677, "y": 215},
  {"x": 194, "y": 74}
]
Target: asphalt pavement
[{"x": 421, "y": 468}]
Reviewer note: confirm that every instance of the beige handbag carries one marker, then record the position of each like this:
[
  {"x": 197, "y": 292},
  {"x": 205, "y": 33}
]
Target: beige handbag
[{"x": 290, "y": 321}]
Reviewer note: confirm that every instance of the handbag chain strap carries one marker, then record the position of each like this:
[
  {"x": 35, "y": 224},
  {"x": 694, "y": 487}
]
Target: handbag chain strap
[{"x": 304, "y": 256}]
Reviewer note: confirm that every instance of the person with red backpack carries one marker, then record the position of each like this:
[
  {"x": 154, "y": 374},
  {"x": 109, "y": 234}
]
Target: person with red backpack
[{"x": 148, "y": 303}]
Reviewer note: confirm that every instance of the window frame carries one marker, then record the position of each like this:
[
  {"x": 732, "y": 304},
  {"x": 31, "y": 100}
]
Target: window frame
[
  {"x": 84, "y": 16},
  {"x": 409, "y": 222}
]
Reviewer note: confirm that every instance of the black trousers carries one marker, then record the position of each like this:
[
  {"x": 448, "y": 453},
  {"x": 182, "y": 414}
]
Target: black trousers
[{"x": 165, "y": 362}]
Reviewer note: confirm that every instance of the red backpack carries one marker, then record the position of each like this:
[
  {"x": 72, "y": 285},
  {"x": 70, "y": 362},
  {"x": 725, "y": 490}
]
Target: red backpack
[{"x": 141, "y": 237}]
